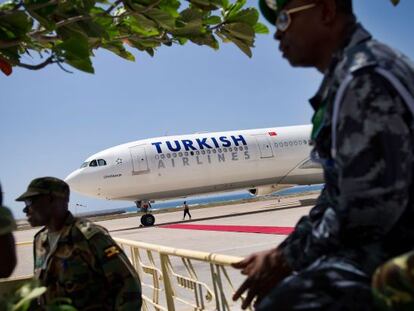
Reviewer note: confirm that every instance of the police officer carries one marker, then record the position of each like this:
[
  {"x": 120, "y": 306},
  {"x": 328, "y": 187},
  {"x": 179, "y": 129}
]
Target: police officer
[
  {"x": 363, "y": 137},
  {"x": 75, "y": 258},
  {"x": 8, "y": 252}
]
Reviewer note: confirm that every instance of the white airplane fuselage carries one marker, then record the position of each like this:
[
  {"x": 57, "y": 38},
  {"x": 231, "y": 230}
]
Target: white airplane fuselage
[{"x": 177, "y": 166}]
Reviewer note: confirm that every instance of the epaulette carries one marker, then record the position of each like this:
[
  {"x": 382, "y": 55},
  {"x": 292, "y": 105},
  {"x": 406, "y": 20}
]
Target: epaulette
[
  {"x": 88, "y": 228},
  {"x": 361, "y": 58}
]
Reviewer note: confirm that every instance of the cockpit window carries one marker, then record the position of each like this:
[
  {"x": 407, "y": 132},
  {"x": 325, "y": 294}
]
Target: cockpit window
[
  {"x": 84, "y": 164},
  {"x": 93, "y": 163},
  {"x": 101, "y": 162}
]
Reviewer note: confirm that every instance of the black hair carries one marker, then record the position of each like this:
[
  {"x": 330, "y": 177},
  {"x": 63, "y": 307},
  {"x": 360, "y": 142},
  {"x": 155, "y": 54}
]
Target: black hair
[{"x": 345, "y": 6}]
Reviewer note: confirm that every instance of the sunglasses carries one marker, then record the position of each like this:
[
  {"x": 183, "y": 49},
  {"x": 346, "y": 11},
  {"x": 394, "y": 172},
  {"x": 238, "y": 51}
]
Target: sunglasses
[{"x": 284, "y": 19}]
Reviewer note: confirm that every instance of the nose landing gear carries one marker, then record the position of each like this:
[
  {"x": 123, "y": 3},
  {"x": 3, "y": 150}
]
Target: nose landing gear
[{"x": 147, "y": 220}]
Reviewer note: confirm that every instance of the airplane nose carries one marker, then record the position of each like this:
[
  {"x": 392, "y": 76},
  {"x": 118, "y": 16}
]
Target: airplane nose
[{"x": 74, "y": 181}]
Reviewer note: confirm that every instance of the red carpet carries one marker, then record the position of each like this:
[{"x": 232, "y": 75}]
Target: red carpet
[{"x": 246, "y": 229}]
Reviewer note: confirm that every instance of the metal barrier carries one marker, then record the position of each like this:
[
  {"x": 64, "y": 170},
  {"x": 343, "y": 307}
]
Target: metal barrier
[{"x": 178, "y": 279}]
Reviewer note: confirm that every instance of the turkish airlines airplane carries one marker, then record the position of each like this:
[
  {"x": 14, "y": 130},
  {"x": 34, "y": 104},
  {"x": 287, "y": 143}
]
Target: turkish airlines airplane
[{"x": 260, "y": 160}]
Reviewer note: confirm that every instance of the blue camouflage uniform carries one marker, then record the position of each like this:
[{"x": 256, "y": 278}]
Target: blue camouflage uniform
[{"x": 363, "y": 137}]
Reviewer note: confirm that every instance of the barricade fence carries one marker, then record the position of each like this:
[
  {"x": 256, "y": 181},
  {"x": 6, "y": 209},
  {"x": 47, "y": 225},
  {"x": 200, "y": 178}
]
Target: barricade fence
[{"x": 175, "y": 279}]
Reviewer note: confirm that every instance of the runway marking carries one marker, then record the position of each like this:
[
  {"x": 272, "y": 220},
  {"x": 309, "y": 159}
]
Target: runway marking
[{"x": 232, "y": 228}]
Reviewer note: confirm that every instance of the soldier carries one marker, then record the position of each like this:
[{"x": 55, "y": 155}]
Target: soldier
[
  {"x": 393, "y": 284},
  {"x": 75, "y": 258},
  {"x": 363, "y": 137},
  {"x": 7, "y": 225}
]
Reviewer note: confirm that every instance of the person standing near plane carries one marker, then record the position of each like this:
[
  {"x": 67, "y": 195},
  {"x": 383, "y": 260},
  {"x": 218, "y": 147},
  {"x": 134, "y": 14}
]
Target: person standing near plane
[
  {"x": 363, "y": 136},
  {"x": 186, "y": 210},
  {"x": 75, "y": 258},
  {"x": 7, "y": 226}
]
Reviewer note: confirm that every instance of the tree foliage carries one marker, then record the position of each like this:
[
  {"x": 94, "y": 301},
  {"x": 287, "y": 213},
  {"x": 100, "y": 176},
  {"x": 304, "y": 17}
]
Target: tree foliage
[{"x": 69, "y": 31}]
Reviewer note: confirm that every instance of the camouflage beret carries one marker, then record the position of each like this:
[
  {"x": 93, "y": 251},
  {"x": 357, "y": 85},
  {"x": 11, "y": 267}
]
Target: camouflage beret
[
  {"x": 45, "y": 185},
  {"x": 270, "y": 8}
]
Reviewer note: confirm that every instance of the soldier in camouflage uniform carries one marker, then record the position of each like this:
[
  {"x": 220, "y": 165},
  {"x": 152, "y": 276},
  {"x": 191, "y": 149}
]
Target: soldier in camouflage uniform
[
  {"x": 393, "y": 284},
  {"x": 8, "y": 255},
  {"x": 363, "y": 137},
  {"x": 75, "y": 258}
]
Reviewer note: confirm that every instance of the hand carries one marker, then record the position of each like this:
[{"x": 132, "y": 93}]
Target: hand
[{"x": 264, "y": 270}]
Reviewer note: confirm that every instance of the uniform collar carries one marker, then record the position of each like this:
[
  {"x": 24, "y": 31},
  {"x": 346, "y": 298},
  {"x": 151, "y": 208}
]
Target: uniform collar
[
  {"x": 64, "y": 232},
  {"x": 358, "y": 34}
]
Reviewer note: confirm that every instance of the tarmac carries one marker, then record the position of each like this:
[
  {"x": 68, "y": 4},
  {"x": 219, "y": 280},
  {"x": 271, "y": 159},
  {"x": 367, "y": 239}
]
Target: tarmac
[{"x": 267, "y": 212}]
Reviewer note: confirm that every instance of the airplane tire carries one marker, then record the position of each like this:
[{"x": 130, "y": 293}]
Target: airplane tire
[{"x": 147, "y": 220}]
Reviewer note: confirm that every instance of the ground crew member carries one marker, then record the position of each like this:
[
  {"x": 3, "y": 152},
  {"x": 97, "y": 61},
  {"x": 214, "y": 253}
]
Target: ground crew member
[
  {"x": 8, "y": 252},
  {"x": 393, "y": 284},
  {"x": 186, "y": 210},
  {"x": 75, "y": 258},
  {"x": 363, "y": 137}
]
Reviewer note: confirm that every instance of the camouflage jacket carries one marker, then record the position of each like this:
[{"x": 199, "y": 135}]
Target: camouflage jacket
[
  {"x": 363, "y": 137},
  {"x": 87, "y": 266},
  {"x": 7, "y": 224}
]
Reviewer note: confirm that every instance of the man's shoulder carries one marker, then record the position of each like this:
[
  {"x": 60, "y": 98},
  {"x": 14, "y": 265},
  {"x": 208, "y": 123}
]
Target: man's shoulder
[
  {"x": 88, "y": 229},
  {"x": 7, "y": 223}
]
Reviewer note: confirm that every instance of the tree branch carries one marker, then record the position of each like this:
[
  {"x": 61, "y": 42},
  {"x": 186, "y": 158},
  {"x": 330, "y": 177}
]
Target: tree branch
[{"x": 48, "y": 61}]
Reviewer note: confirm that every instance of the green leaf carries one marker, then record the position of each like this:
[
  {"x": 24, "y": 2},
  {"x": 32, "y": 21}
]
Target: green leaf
[
  {"x": 162, "y": 18},
  {"x": 28, "y": 295},
  {"x": 260, "y": 28},
  {"x": 119, "y": 49},
  {"x": 208, "y": 40},
  {"x": 248, "y": 16},
  {"x": 171, "y": 7},
  {"x": 139, "y": 24},
  {"x": 240, "y": 31},
  {"x": 17, "y": 23},
  {"x": 234, "y": 8},
  {"x": 212, "y": 20},
  {"x": 240, "y": 44}
]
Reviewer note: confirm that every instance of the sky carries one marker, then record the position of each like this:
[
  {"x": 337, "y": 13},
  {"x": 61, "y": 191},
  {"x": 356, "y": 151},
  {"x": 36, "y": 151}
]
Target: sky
[{"x": 51, "y": 121}]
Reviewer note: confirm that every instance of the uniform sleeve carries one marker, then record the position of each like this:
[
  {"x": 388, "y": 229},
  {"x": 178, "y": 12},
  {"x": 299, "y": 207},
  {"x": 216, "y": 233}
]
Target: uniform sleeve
[
  {"x": 7, "y": 224},
  {"x": 120, "y": 274},
  {"x": 374, "y": 167},
  {"x": 375, "y": 155}
]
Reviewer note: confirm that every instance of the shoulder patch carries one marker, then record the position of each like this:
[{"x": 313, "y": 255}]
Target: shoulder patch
[
  {"x": 111, "y": 251},
  {"x": 88, "y": 228}
]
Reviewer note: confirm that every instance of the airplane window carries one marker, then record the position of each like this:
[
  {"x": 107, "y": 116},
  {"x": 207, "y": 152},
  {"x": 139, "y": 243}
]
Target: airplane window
[
  {"x": 168, "y": 155},
  {"x": 162, "y": 156},
  {"x": 224, "y": 149},
  {"x": 296, "y": 142},
  {"x": 174, "y": 155},
  {"x": 197, "y": 152},
  {"x": 280, "y": 144},
  {"x": 290, "y": 143},
  {"x": 84, "y": 164},
  {"x": 214, "y": 151},
  {"x": 286, "y": 144},
  {"x": 245, "y": 148},
  {"x": 93, "y": 163},
  {"x": 208, "y": 152},
  {"x": 180, "y": 154},
  {"x": 219, "y": 150},
  {"x": 276, "y": 145},
  {"x": 186, "y": 154},
  {"x": 101, "y": 162},
  {"x": 300, "y": 142},
  {"x": 231, "y": 149},
  {"x": 203, "y": 152},
  {"x": 157, "y": 157}
]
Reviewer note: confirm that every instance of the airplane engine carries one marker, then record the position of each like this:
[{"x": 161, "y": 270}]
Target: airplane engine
[{"x": 264, "y": 190}]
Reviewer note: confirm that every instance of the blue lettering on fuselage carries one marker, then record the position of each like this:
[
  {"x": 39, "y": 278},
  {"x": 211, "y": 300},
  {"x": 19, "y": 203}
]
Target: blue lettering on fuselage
[{"x": 199, "y": 143}]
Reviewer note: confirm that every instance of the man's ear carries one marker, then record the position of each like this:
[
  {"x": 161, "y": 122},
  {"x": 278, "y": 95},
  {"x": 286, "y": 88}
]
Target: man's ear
[{"x": 328, "y": 11}]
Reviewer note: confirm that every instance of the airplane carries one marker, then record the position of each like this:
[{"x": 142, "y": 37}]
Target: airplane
[{"x": 260, "y": 160}]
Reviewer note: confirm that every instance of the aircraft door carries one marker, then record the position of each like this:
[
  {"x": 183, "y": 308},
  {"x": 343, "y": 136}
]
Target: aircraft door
[
  {"x": 265, "y": 146},
  {"x": 139, "y": 160}
]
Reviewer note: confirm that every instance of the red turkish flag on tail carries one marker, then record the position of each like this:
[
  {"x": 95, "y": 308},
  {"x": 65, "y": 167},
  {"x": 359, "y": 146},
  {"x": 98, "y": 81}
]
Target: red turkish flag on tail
[{"x": 272, "y": 134}]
